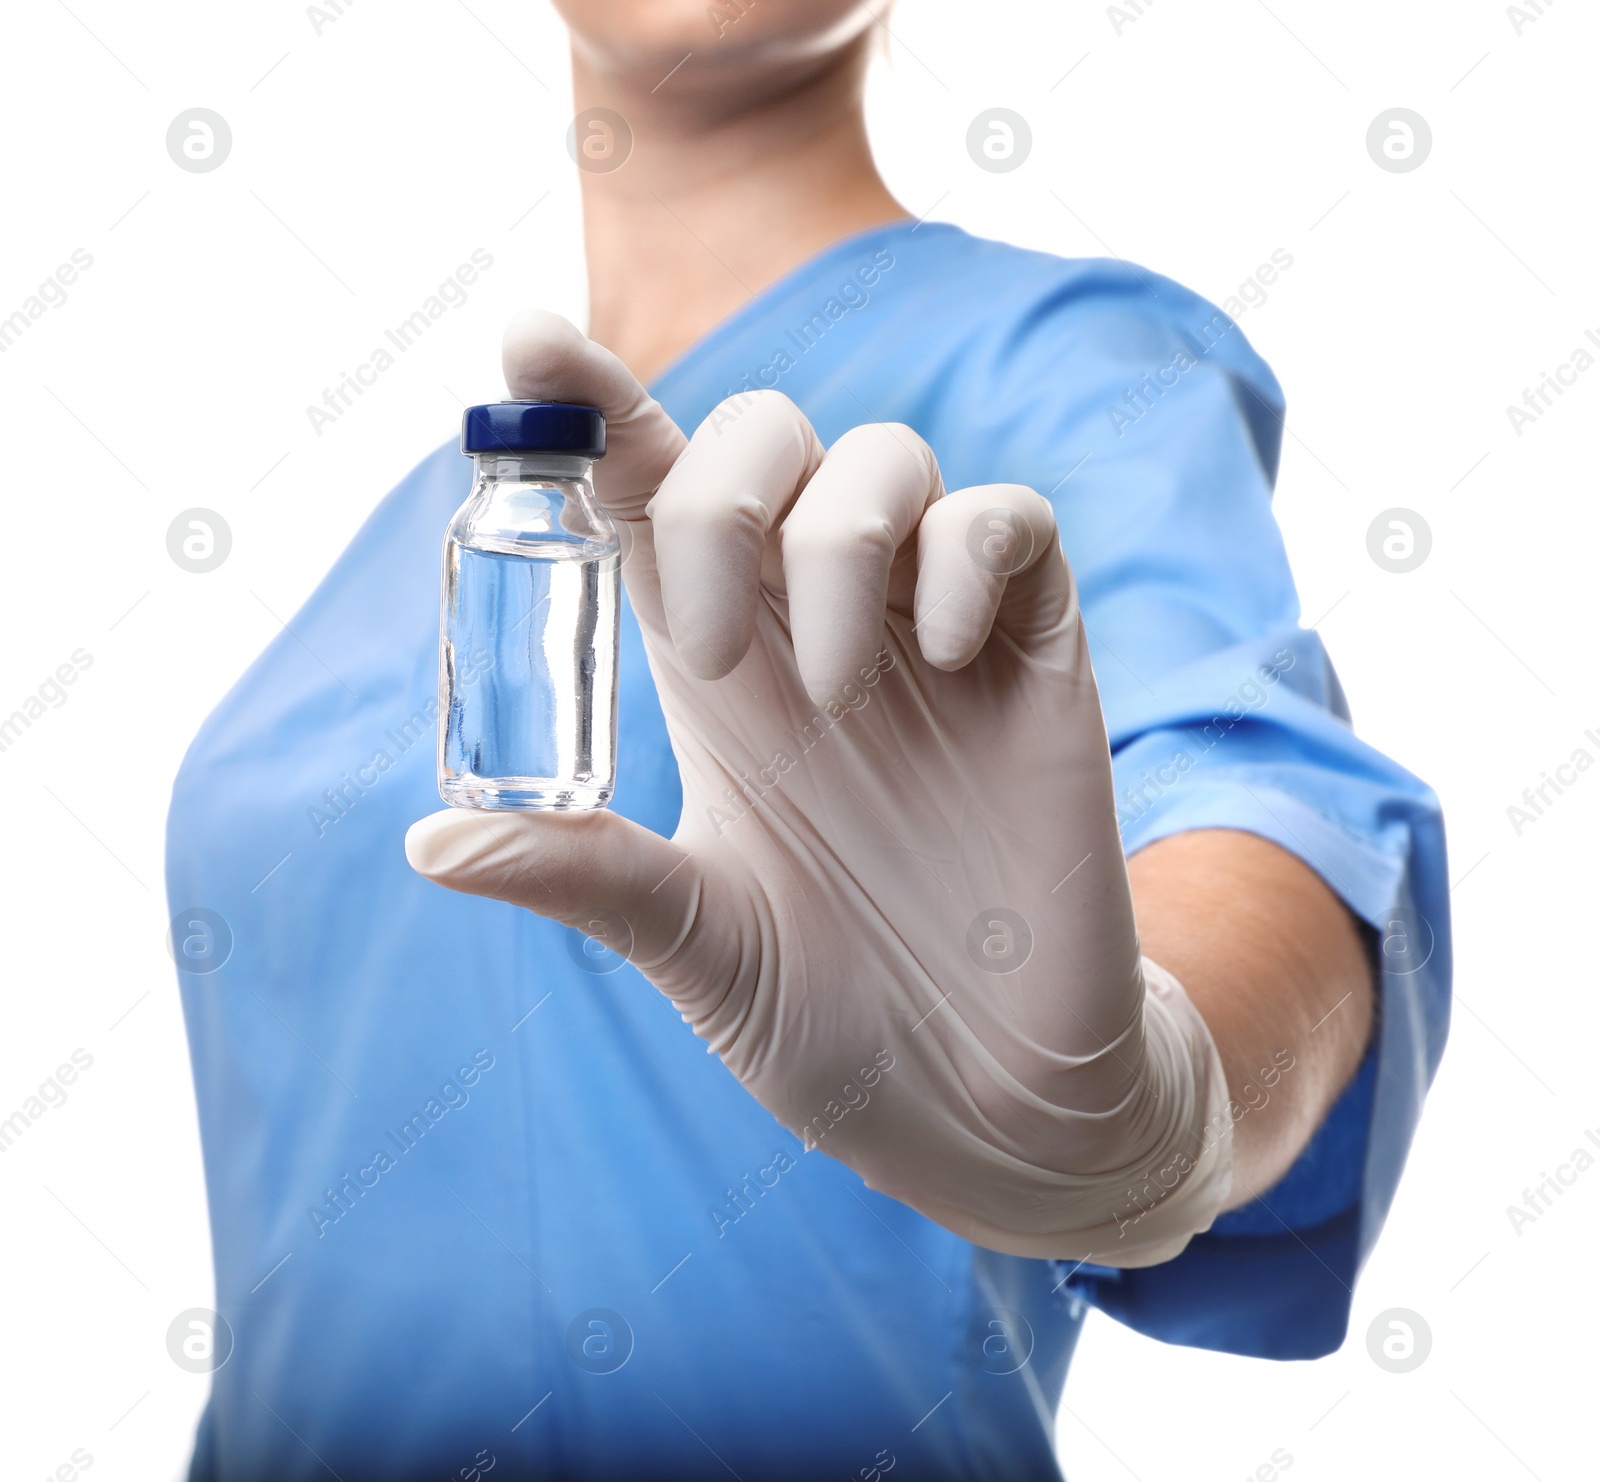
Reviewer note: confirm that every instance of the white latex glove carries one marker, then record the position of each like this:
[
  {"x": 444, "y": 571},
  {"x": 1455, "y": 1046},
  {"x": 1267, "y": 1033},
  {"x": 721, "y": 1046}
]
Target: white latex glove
[{"x": 896, "y": 904}]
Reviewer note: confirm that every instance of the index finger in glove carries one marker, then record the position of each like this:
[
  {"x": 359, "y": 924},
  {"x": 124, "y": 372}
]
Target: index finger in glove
[{"x": 545, "y": 358}]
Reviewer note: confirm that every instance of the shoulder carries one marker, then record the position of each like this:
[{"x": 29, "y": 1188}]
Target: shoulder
[
  {"x": 1115, "y": 315},
  {"x": 1036, "y": 353}
]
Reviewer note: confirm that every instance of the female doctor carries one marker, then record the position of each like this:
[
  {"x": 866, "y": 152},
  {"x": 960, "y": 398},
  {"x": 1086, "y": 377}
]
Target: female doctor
[{"x": 919, "y": 990}]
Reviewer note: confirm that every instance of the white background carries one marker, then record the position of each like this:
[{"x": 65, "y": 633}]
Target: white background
[{"x": 369, "y": 160}]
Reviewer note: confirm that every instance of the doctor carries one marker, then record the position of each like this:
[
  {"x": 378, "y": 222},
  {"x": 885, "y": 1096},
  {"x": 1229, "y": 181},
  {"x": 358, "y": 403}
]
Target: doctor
[{"x": 1028, "y": 983}]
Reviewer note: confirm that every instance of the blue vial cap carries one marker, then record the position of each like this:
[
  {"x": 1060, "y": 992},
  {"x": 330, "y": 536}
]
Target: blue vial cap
[{"x": 534, "y": 427}]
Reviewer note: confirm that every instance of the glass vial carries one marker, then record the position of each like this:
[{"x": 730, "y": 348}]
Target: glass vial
[{"x": 529, "y": 608}]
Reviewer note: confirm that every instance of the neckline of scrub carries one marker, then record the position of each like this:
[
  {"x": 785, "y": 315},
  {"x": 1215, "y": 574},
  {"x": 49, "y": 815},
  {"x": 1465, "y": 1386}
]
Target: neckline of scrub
[{"x": 802, "y": 272}]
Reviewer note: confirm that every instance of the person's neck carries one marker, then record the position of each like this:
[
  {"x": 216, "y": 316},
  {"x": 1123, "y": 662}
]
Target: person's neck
[{"x": 718, "y": 200}]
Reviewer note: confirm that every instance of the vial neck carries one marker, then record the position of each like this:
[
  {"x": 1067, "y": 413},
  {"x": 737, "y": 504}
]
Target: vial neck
[{"x": 527, "y": 467}]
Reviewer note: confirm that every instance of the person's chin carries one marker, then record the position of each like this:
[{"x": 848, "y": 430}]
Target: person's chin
[{"x": 643, "y": 41}]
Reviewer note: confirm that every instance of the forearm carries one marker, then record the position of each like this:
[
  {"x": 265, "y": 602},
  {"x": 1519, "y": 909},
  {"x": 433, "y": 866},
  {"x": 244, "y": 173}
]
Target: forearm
[{"x": 1277, "y": 967}]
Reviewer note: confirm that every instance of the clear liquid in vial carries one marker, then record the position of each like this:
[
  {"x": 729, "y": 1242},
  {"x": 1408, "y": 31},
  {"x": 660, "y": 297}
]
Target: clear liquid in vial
[{"x": 529, "y": 666}]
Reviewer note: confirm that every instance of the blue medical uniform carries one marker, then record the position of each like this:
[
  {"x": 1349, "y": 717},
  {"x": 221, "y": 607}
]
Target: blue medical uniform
[{"x": 479, "y": 1196}]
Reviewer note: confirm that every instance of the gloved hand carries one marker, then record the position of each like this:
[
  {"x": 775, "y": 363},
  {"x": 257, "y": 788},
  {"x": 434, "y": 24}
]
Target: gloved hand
[{"x": 896, "y": 904}]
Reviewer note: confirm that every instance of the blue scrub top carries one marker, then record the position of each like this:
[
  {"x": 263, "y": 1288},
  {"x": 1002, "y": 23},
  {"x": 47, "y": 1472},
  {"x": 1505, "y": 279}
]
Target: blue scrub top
[{"x": 477, "y": 1193}]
